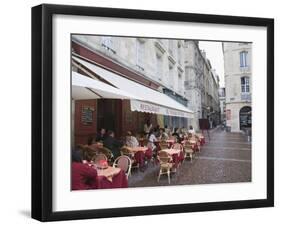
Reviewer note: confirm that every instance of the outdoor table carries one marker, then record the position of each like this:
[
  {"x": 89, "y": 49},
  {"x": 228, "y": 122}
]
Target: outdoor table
[
  {"x": 172, "y": 151},
  {"x": 96, "y": 145},
  {"x": 170, "y": 142},
  {"x": 139, "y": 154},
  {"x": 136, "y": 149},
  {"x": 194, "y": 145},
  {"x": 108, "y": 172},
  {"x": 111, "y": 177},
  {"x": 176, "y": 154},
  {"x": 201, "y": 139},
  {"x": 192, "y": 141},
  {"x": 141, "y": 141}
]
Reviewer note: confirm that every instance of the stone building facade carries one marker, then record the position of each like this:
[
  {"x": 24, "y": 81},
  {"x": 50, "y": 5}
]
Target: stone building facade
[
  {"x": 175, "y": 67},
  {"x": 238, "y": 85},
  {"x": 201, "y": 84}
]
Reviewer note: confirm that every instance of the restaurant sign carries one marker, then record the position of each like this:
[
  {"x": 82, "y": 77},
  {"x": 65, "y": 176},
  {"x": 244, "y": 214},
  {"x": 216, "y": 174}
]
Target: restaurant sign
[{"x": 141, "y": 106}]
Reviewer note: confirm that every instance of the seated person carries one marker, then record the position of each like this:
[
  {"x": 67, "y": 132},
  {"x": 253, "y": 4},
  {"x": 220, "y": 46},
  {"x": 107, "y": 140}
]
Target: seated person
[
  {"x": 167, "y": 130},
  {"x": 91, "y": 141},
  {"x": 176, "y": 135},
  {"x": 163, "y": 135},
  {"x": 101, "y": 135},
  {"x": 157, "y": 131},
  {"x": 151, "y": 139},
  {"x": 82, "y": 176},
  {"x": 183, "y": 132},
  {"x": 191, "y": 130},
  {"x": 131, "y": 141},
  {"x": 112, "y": 144}
]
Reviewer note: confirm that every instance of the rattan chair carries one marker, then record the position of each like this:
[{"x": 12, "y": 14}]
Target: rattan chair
[
  {"x": 165, "y": 165},
  {"x": 107, "y": 153},
  {"x": 164, "y": 145},
  {"x": 99, "y": 157},
  {"x": 188, "y": 151},
  {"x": 123, "y": 162},
  {"x": 177, "y": 146},
  {"x": 125, "y": 151},
  {"x": 88, "y": 153}
]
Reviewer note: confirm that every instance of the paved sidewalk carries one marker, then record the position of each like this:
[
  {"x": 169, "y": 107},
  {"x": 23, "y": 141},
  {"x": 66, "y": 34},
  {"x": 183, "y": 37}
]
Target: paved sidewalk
[{"x": 226, "y": 158}]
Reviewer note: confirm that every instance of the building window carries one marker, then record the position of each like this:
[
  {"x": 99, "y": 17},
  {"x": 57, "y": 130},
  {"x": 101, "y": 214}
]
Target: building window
[
  {"x": 244, "y": 59},
  {"x": 245, "y": 85},
  {"x": 108, "y": 44},
  {"x": 140, "y": 54}
]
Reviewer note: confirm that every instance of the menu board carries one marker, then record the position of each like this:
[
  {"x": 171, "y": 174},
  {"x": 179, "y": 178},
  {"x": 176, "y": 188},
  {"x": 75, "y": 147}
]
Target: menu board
[{"x": 87, "y": 115}]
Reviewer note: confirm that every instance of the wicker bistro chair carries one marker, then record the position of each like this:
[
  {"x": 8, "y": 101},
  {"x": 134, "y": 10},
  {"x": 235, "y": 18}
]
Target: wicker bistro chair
[
  {"x": 99, "y": 157},
  {"x": 164, "y": 145},
  {"x": 125, "y": 163},
  {"x": 165, "y": 165},
  {"x": 177, "y": 146},
  {"x": 107, "y": 153},
  {"x": 198, "y": 143},
  {"x": 188, "y": 151},
  {"x": 125, "y": 151},
  {"x": 88, "y": 153}
]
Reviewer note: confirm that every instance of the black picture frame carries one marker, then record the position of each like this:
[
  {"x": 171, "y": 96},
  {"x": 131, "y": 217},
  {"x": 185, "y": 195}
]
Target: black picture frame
[{"x": 42, "y": 108}]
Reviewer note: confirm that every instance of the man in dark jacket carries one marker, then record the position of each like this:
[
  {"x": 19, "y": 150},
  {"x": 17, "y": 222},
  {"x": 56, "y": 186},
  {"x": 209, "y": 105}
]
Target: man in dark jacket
[
  {"x": 101, "y": 135},
  {"x": 112, "y": 144}
]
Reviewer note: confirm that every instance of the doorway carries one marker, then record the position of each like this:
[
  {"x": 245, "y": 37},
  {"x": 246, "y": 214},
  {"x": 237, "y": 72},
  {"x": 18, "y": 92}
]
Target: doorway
[
  {"x": 109, "y": 115},
  {"x": 245, "y": 117}
]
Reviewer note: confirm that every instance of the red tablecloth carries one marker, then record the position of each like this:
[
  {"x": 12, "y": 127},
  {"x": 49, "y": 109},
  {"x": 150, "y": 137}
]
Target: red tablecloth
[
  {"x": 148, "y": 154},
  {"x": 139, "y": 158},
  {"x": 136, "y": 149},
  {"x": 118, "y": 181},
  {"x": 202, "y": 140},
  {"x": 170, "y": 142},
  {"x": 177, "y": 156}
]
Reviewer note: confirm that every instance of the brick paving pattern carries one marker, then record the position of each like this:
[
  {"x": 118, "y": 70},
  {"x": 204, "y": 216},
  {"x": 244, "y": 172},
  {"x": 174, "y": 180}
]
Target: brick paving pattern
[{"x": 226, "y": 158}]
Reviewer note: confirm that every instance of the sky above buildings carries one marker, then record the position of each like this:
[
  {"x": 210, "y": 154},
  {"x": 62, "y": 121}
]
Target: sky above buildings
[{"x": 215, "y": 55}]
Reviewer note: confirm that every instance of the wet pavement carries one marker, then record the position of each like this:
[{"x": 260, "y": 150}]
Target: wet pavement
[{"x": 226, "y": 158}]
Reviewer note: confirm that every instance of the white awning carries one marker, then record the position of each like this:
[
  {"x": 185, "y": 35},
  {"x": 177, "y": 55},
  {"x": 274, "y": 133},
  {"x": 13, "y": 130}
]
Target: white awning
[
  {"x": 84, "y": 88},
  {"x": 150, "y": 100}
]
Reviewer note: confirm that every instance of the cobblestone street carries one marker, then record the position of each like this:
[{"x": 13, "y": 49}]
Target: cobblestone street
[{"x": 226, "y": 158}]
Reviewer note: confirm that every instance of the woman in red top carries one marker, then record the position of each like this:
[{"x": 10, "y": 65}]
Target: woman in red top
[{"x": 82, "y": 176}]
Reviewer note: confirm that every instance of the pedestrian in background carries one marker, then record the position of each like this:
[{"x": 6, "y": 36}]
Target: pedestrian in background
[{"x": 147, "y": 127}]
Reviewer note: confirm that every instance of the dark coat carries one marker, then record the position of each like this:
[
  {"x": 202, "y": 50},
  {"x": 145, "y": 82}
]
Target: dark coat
[{"x": 113, "y": 145}]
